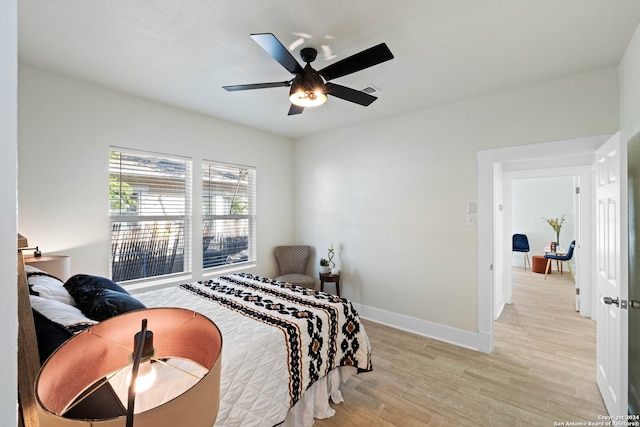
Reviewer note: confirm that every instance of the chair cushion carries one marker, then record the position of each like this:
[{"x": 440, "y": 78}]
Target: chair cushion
[
  {"x": 565, "y": 257},
  {"x": 298, "y": 279}
]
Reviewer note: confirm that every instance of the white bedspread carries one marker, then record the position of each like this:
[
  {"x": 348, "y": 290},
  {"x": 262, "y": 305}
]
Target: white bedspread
[{"x": 262, "y": 323}]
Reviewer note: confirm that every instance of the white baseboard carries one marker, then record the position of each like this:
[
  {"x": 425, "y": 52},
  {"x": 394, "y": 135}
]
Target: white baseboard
[{"x": 479, "y": 341}]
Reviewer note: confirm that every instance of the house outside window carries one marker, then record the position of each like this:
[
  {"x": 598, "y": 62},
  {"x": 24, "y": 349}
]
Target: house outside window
[
  {"x": 150, "y": 214},
  {"x": 228, "y": 214}
]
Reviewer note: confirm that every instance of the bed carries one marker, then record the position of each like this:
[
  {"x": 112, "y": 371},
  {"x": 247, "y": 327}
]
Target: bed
[{"x": 286, "y": 349}]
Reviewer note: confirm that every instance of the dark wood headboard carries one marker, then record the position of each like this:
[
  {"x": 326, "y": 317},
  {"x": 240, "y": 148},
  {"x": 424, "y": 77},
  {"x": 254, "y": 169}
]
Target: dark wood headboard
[{"x": 28, "y": 357}]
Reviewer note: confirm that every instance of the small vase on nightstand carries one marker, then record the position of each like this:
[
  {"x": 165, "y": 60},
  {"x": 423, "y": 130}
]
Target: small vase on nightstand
[{"x": 324, "y": 266}]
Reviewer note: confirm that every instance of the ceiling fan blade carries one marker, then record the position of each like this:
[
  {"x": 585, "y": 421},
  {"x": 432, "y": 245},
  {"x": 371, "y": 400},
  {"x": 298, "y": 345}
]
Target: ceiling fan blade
[
  {"x": 357, "y": 62},
  {"x": 273, "y": 47},
  {"x": 295, "y": 109},
  {"x": 257, "y": 86},
  {"x": 349, "y": 94}
]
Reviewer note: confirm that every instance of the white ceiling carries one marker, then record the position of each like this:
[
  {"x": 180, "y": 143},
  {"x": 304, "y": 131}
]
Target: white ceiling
[{"x": 181, "y": 52}]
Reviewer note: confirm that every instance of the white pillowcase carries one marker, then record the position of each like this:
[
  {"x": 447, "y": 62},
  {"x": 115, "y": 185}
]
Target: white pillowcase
[
  {"x": 59, "y": 312},
  {"x": 48, "y": 287}
]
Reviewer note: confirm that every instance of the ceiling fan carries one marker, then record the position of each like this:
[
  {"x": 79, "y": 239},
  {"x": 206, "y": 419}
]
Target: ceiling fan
[{"x": 309, "y": 88}]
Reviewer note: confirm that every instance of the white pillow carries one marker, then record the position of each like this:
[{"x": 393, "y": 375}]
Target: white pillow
[
  {"x": 48, "y": 287},
  {"x": 59, "y": 312},
  {"x": 32, "y": 269}
]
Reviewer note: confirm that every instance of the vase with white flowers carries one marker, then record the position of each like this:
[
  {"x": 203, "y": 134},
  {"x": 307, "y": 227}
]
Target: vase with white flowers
[{"x": 556, "y": 224}]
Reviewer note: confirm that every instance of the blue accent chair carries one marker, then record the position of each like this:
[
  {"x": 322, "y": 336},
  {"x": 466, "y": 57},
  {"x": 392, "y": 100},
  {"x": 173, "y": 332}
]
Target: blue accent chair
[
  {"x": 561, "y": 258},
  {"x": 520, "y": 243}
]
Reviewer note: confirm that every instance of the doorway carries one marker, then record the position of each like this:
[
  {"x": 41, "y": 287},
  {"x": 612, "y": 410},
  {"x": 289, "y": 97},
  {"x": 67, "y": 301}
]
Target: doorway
[
  {"x": 530, "y": 196},
  {"x": 493, "y": 252}
]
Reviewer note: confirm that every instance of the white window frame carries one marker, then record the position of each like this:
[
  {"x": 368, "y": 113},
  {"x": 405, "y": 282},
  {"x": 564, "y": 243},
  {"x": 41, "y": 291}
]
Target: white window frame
[
  {"x": 214, "y": 264},
  {"x": 185, "y": 217}
]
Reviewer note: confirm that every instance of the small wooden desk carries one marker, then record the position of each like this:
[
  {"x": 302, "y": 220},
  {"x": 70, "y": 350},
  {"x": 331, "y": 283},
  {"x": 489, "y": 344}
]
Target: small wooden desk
[
  {"x": 558, "y": 251},
  {"x": 330, "y": 278}
]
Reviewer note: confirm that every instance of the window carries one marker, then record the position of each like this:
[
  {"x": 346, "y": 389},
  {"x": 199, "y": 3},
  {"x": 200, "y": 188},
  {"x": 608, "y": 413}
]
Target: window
[
  {"x": 150, "y": 198},
  {"x": 228, "y": 214}
]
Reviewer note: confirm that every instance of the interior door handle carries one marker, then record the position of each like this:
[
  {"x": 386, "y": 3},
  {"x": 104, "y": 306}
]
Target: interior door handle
[
  {"x": 634, "y": 304},
  {"x": 609, "y": 301}
]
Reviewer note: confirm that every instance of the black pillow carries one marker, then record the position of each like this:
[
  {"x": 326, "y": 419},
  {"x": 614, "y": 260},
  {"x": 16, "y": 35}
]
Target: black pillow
[
  {"x": 49, "y": 334},
  {"x": 86, "y": 281},
  {"x": 101, "y": 304},
  {"x": 100, "y": 298}
]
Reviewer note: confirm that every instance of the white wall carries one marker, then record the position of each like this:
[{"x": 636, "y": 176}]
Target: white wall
[
  {"x": 394, "y": 193},
  {"x": 65, "y": 130},
  {"x": 8, "y": 237},
  {"x": 535, "y": 198},
  {"x": 630, "y": 88}
]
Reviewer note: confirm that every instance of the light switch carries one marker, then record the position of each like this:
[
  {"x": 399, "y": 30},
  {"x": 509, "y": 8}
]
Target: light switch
[{"x": 471, "y": 220}]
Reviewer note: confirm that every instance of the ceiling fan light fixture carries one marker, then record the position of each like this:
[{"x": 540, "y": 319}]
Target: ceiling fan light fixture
[
  {"x": 308, "y": 98},
  {"x": 308, "y": 90}
]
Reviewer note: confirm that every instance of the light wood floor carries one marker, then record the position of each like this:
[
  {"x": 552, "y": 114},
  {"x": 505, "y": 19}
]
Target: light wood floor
[{"x": 542, "y": 370}]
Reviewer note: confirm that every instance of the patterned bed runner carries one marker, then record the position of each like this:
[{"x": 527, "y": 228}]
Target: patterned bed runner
[{"x": 322, "y": 331}]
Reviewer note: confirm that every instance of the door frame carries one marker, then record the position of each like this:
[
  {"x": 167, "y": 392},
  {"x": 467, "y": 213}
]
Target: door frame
[
  {"x": 491, "y": 165},
  {"x": 633, "y": 251}
]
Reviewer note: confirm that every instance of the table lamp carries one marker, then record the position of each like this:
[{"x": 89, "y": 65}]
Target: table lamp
[
  {"x": 84, "y": 382},
  {"x": 57, "y": 265}
]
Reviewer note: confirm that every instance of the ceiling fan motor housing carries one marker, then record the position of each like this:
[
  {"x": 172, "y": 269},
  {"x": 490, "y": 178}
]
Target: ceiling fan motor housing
[{"x": 308, "y": 54}]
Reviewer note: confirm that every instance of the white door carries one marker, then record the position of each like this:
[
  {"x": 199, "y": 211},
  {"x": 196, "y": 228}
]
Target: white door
[{"x": 610, "y": 278}]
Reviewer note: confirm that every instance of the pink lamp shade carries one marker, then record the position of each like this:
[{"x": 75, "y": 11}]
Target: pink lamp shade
[{"x": 101, "y": 353}]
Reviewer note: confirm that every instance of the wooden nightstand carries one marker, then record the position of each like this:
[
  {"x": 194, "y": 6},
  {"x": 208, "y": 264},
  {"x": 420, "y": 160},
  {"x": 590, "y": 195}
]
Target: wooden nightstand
[{"x": 330, "y": 278}]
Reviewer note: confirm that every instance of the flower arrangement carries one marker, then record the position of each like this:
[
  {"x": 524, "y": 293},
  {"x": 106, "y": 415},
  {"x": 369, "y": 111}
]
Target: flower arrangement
[{"x": 556, "y": 224}]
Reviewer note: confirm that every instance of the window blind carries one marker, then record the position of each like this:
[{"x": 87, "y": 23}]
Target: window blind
[
  {"x": 228, "y": 213},
  {"x": 149, "y": 209}
]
